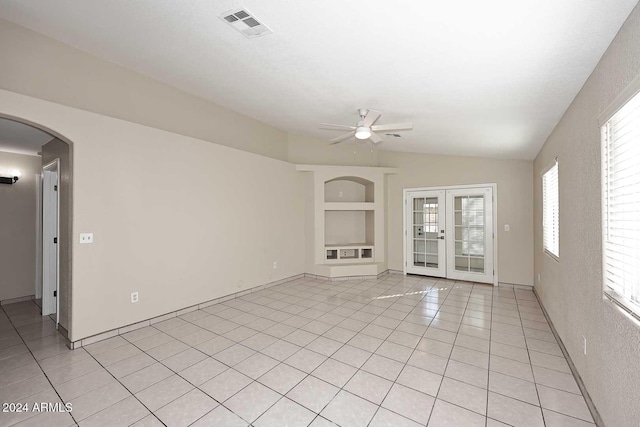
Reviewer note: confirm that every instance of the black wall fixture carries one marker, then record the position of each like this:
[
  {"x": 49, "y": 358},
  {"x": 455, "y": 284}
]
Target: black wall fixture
[{"x": 8, "y": 180}]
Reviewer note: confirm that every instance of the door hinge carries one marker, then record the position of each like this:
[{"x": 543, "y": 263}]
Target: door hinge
[
  {"x": 55, "y": 293},
  {"x": 55, "y": 240},
  {"x": 55, "y": 188}
]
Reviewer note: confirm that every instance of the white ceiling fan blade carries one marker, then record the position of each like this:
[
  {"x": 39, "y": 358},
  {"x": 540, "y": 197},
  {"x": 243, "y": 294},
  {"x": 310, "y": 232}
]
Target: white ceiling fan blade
[
  {"x": 397, "y": 126},
  {"x": 341, "y": 138},
  {"x": 371, "y": 117},
  {"x": 375, "y": 138},
  {"x": 336, "y": 127}
]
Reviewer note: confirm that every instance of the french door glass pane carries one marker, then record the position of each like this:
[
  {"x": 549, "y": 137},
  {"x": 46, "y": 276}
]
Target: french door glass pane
[
  {"x": 469, "y": 233},
  {"x": 425, "y": 231}
]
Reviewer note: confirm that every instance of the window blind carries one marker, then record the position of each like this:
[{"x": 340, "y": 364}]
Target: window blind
[
  {"x": 621, "y": 205},
  {"x": 551, "y": 213}
]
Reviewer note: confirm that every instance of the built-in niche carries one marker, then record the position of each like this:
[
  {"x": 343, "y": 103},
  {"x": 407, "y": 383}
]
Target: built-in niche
[
  {"x": 349, "y": 228},
  {"x": 349, "y": 189},
  {"x": 345, "y": 214}
]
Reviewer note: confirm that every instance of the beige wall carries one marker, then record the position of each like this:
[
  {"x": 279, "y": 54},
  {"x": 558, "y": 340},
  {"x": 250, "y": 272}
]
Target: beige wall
[
  {"x": 57, "y": 149},
  {"x": 515, "y": 203},
  {"x": 571, "y": 288},
  {"x": 310, "y": 151},
  {"x": 514, "y": 179},
  {"x": 179, "y": 220},
  {"x": 18, "y": 227},
  {"x": 80, "y": 80}
]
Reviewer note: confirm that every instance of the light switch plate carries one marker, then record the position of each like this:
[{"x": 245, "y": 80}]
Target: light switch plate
[
  {"x": 86, "y": 238},
  {"x": 507, "y": 227}
]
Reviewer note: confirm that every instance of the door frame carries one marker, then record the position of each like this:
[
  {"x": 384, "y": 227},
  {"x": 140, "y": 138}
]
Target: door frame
[
  {"x": 50, "y": 167},
  {"x": 494, "y": 186}
]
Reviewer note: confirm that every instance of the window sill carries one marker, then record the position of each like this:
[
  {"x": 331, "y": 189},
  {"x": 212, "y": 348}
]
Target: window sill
[
  {"x": 552, "y": 256},
  {"x": 623, "y": 304}
]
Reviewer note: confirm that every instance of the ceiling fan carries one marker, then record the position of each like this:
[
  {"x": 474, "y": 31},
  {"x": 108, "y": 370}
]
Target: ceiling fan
[{"x": 365, "y": 128}]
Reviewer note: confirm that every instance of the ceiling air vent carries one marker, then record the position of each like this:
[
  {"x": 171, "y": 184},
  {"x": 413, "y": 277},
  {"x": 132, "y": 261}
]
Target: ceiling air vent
[
  {"x": 247, "y": 24},
  {"x": 395, "y": 135}
]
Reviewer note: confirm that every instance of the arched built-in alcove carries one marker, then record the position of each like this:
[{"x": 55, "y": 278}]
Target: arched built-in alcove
[
  {"x": 345, "y": 220},
  {"x": 349, "y": 189}
]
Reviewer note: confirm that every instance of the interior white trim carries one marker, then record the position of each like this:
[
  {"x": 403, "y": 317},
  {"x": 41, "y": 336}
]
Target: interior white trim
[
  {"x": 38, "y": 280},
  {"x": 627, "y": 93},
  {"x": 55, "y": 165}
]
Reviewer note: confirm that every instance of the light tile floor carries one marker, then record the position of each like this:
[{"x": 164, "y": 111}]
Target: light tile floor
[{"x": 398, "y": 351}]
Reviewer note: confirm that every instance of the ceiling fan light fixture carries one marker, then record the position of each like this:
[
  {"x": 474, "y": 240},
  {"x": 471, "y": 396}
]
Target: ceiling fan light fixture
[{"x": 363, "y": 132}]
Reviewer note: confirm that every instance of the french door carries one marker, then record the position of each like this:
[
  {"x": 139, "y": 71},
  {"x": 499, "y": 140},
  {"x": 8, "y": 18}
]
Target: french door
[
  {"x": 425, "y": 236},
  {"x": 449, "y": 233}
]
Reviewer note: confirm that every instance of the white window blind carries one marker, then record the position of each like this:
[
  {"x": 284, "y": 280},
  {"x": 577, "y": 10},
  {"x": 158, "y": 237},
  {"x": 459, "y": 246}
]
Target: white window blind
[
  {"x": 621, "y": 205},
  {"x": 551, "y": 213}
]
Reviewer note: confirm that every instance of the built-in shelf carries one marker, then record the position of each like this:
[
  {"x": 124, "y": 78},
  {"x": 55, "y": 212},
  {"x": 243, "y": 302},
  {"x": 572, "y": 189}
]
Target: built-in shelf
[
  {"x": 349, "y": 206},
  {"x": 345, "y": 211},
  {"x": 352, "y": 252},
  {"x": 350, "y": 245},
  {"x": 346, "y": 226},
  {"x": 349, "y": 189}
]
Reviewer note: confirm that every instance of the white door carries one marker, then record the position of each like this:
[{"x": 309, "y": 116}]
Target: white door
[
  {"x": 426, "y": 223},
  {"x": 449, "y": 233},
  {"x": 49, "y": 241},
  {"x": 470, "y": 236},
  {"x": 38, "y": 284}
]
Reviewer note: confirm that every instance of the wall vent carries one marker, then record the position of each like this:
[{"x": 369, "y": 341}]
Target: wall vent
[{"x": 243, "y": 21}]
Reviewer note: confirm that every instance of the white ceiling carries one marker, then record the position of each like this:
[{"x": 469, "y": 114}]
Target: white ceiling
[
  {"x": 481, "y": 78},
  {"x": 19, "y": 138}
]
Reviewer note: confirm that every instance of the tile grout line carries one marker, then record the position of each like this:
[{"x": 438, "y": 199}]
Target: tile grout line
[
  {"x": 394, "y": 382},
  {"x": 318, "y": 414},
  {"x": 160, "y": 362},
  {"x": 326, "y": 296},
  {"x": 595, "y": 415},
  {"x": 358, "y": 369},
  {"x": 493, "y": 295},
  {"x": 535, "y": 384},
  {"x": 126, "y": 388},
  {"x": 378, "y": 315},
  {"x": 452, "y": 347},
  {"x": 284, "y": 361},
  {"x": 37, "y": 362}
]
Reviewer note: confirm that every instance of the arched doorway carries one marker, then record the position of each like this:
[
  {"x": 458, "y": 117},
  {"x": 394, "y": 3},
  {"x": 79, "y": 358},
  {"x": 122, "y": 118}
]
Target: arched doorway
[{"x": 51, "y": 286}]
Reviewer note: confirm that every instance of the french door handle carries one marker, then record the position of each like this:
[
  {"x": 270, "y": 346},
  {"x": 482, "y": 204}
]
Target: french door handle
[{"x": 441, "y": 237}]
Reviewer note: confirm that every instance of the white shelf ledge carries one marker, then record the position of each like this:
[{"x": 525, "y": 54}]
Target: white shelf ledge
[
  {"x": 350, "y": 246},
  {"x": 349, "y": 206}
]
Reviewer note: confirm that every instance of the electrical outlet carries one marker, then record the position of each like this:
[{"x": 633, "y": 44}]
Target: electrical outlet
[
  {"x": 584, "y": 345},
  {"x": 340, "y": 194},
  {"x": 275, "y": 265},
  {"x": 538, "y": 277},
  {"x": 86, "y": 238},
  {"x": 134, "y": 297},
  {"x": 507, "y": 227}
]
